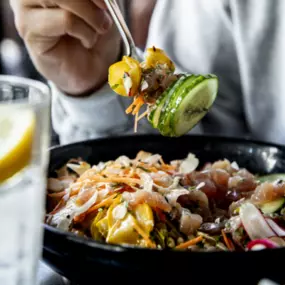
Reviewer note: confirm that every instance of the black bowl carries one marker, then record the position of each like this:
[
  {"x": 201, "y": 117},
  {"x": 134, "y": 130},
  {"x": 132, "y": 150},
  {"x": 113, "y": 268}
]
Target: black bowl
[{"x": 89, "y": 262}]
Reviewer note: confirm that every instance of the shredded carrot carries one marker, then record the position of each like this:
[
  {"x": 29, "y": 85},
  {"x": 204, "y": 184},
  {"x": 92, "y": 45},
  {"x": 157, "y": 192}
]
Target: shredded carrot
[
  {"x": 144, "y": 235},
  {"x": 168, "y": 168},
  {"x": 147, "y": 167},
  {"x": 130, "y": 108},
  {"x": 152, "y": 169},
  {"x": 57, "y": 195},
  {"x": 136, "y": 101},
  {"x": 227, "y": 241},
  {"x": 80, "y": 218},
  {"x": 231, "y": 244},
  {"x": 74, "y": 192},
  {"x": 126, "y": 171},
  {"x": 58, "y": 207},
  {"x": 116, "y": 179},
  {"x": 138, "y": 106},
  {"x": 189, "y": 243},
  {"x": 107, "y": 202},
  {"x": 125, "y": 188}
]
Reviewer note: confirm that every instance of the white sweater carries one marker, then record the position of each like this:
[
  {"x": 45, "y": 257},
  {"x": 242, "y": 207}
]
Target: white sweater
[{"x": 241, "y": 41}]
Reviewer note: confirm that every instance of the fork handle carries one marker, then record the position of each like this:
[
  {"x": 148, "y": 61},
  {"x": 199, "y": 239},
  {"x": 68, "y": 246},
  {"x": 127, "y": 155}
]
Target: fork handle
[{"x": 124, "y": 31}]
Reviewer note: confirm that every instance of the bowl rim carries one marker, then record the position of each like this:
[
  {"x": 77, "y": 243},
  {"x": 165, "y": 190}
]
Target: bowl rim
[
  {"x": 86, "y": 241},
  {"x": 201, "y": 136}
]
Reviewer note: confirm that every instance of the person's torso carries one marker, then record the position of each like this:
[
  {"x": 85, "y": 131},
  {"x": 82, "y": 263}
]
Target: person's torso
[{"x": 239, "y": 41}]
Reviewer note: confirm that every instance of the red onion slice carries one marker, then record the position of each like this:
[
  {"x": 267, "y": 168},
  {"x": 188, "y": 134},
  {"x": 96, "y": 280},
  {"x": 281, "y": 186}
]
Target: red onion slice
[
  {"x": 260, "y": 244},
  {"x": 254, "y": 223}
]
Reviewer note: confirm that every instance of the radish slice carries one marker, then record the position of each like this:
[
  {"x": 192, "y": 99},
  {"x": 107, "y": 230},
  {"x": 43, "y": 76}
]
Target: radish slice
[
  {"x": 276, "y": 228},
  {"x": 260, "y": 244},
  {"x": 254, "y": 223}
]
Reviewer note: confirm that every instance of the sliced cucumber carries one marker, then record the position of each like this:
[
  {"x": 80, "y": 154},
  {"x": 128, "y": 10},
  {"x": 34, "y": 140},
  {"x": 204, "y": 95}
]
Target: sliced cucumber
[
  {"x": 272, "y": 207},
  {"x": 271, "y": 177},
  {"x": 193, "y": 104},
  {"x": 151, "y": 116},
  {"x": 155, "y": 113},
  {"x": 164, "y": 120}
]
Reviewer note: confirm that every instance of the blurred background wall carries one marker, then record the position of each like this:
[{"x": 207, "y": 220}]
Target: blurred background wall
[{"x": 14, "y": 57}]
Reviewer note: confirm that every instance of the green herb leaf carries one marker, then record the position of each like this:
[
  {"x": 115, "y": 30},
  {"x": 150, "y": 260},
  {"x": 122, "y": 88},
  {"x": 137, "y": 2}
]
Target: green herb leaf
[
  {"x": 115, "y": 86},
  {"x": 142, "y": 168}
]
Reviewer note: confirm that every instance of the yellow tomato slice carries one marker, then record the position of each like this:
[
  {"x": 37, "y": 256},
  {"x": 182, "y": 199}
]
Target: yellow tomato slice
[
  {"x": 93, "y": 228},
  {"x": 110, "y": 214},
  {"x": 127, "y": 69},
  {"x": 123, "y": 231},
  {"x": 156, "y": 56},
  {"x": 102, "y": 226},
  {"x": 144, "y": 216}
]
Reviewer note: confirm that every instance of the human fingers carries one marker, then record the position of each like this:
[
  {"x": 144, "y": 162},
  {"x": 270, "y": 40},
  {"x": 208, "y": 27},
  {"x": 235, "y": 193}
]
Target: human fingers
[
  {"x": 55, "y": 22},
  {"x": 91, "y": 13}
]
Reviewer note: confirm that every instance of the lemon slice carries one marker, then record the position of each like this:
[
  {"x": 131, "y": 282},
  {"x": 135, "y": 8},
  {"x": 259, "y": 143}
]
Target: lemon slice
[{"x": 16, "y": 139}]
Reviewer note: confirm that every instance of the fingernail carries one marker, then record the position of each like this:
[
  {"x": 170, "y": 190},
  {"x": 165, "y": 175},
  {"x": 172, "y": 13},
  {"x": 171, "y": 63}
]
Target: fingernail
[{"x": 107, "y": 21}]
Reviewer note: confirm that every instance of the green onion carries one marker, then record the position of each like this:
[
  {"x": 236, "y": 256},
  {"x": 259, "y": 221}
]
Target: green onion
[
  {"x": 170, "y": 242},
  {"x": 115, "y": 86},
  {"x": 142, "y": 168}
]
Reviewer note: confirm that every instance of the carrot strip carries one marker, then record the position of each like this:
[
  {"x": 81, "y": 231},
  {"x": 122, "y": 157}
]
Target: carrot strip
[
  {"x": 133, "y": 105},
  {"x": 189, "y": 243},
  {"x": 130, "y": 108},
  {"x": 115, "y": 179},
  {"x": 231, "y": 244},
  {"x": 144, "y": 235},
  {"x": 168, "y": 167},
  {"x": 138, "y": 106},
  {"x": 58, "y": 207},
  {"x": 57, "y": 195},
  {"x": 80, "y": 218},
  {"x": 227, "y": 241},
  {"x": 107, "y": 202},
  {"x": 148, "y": 167}
]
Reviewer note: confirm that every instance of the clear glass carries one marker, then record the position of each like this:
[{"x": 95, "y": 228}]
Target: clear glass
[{"x": 22, "y": 197}]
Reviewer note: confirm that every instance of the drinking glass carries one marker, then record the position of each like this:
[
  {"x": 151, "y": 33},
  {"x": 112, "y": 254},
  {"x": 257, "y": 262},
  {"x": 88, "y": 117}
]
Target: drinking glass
[{"x": 24, "y": 141}]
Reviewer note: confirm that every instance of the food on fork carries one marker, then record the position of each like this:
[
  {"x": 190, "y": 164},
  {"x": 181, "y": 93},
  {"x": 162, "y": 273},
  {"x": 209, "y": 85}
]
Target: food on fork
[{"x": 175, "y": 103}]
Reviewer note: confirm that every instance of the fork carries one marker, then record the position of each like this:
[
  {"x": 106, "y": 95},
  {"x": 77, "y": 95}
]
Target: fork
[{"x": 124, "y": 31}]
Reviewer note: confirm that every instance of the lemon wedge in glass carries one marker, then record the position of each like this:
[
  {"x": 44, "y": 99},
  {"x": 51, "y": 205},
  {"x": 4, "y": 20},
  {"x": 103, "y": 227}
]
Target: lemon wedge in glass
[{"x": 16, "y": 138}]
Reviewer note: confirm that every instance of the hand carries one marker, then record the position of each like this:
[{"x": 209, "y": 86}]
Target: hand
[{"x": 71, "y": 42}]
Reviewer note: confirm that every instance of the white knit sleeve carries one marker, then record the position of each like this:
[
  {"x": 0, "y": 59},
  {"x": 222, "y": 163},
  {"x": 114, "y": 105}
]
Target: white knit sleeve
[{"x": 80, "y": 118}]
